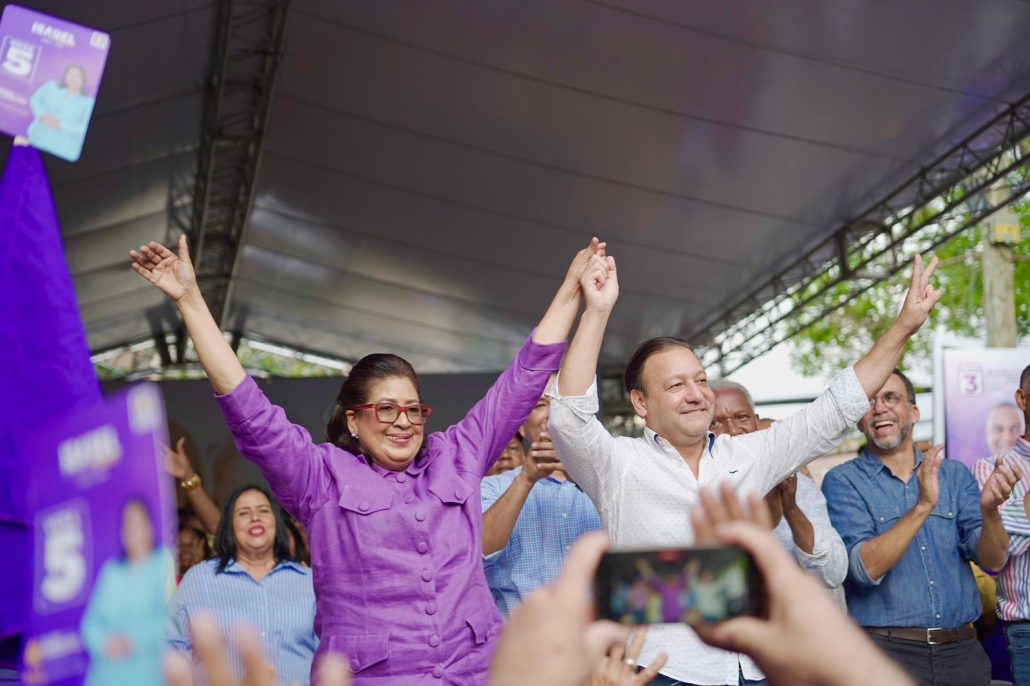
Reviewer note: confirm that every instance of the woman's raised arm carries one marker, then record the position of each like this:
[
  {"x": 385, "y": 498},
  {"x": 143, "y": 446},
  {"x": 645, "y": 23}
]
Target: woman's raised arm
[{"x": 173, "y": 275}]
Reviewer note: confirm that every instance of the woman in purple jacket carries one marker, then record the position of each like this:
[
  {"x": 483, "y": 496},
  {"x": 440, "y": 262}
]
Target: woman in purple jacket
[{"x": 393, "y": 514}]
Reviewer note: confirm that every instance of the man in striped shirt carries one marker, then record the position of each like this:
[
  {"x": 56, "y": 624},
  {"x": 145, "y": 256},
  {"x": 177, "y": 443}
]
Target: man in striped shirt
[{"x": 1014, "y": 579}]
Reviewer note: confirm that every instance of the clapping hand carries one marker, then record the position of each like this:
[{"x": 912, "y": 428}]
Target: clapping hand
[
  {"x": 927, "y": 476},
  {"x": 542, "y": 460},
  {"x": 998, "y": 487},
  {"x": 921, "y": 297},
  {"x": 782, "y": 499},
  {"x": 172, "y": 274}
]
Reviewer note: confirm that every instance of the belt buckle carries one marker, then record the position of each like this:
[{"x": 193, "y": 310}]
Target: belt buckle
[{"x": 936, "y": 636}]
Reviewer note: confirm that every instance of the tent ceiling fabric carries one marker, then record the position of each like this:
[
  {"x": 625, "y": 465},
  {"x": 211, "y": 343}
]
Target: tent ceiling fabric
[{"x": 431, "y": 167}]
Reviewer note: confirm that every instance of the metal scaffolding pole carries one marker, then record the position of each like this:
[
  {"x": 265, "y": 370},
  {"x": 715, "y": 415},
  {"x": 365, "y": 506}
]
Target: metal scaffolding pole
[
  {"x": 244, "y": 62},
  {"x": 942, "y": 200}
]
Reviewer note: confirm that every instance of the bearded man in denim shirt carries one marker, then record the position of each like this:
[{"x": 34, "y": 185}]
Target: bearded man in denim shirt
[{"x": 911, "y": 523}]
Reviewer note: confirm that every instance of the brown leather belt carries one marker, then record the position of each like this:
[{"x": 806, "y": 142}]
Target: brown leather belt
[{"x": 934, "y": 636}]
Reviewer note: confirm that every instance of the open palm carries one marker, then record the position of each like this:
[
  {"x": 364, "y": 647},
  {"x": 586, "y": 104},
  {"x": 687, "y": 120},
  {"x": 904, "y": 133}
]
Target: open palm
[{"x": 172, "y": 274}]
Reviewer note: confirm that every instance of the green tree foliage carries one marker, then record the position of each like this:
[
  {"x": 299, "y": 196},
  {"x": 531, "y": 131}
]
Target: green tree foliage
[{"x": 841, "y": 338}]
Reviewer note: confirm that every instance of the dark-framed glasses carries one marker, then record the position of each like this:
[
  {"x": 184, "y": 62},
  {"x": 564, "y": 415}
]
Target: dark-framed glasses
[
  {"x": 387, "y": 412},
  {"x": 890, "y": 398}
]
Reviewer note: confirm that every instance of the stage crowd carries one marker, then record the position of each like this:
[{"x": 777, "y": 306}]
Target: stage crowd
[{"x": 386, "y": 553}]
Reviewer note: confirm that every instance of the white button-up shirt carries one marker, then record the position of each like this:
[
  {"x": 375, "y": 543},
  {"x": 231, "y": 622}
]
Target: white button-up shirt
[
  {"x": 829, "y": 559},
  {"x": 644, "y": 491}
]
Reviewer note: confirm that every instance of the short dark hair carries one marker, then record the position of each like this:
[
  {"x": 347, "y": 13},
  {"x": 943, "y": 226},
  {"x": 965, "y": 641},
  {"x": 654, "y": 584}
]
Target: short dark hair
[
  {"x": 225, "y": 537},
  {"x": 354, "y": 393},
  {"x": 910, "y": 390},
  {"x": 635, "y": 367},
  {"x": 1024, "y": 379}
]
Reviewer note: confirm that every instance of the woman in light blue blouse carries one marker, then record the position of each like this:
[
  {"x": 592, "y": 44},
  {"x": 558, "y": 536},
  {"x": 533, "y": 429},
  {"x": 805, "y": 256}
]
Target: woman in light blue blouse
[
  {"x": 124, "y": 627},
  {"x": 253, "y": 580},
  {"x": 62, "y": 111}
]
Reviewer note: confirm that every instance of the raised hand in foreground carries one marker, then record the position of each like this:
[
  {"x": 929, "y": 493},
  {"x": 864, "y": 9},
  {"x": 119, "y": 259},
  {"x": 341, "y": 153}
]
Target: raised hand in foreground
[
  {"x": 805, "y": 637},
  {"x": 171, "y": 273},
  {"x": 619, "y": 668},
  {"x": 211, "y": 661},
  {"x": 921, "y": 297}
]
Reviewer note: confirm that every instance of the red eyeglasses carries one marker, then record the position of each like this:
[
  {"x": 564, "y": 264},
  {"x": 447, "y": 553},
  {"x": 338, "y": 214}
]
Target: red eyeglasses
[{"x": 387, "y": 412}]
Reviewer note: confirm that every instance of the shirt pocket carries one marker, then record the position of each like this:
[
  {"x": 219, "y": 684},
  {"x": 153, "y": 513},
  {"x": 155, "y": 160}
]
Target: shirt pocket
[
  {"x": 449, "y": 488},
  {"x": 369, "y": 521},
  {"x": 482, "y": 624},
  {"x": 365, "y": 503},
  {"x": 943, "y": 526},
  {"x": 885, "y": 517},
  {"x": 455, "y": 515},
  {"x": 361, "y": 651}
]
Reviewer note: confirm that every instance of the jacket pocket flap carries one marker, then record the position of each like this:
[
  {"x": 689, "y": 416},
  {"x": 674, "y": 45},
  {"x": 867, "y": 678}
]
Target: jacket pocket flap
[
  {"x": 481, "y": 622},
  {"x": 361, "y": 651},
  {"x": 365, "y": 501},
  {"x": 450, "y": 488}
]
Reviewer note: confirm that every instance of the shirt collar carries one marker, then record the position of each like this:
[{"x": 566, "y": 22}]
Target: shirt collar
[
  {"x": 654, "y": 439},
  {"x": 1022, "y": 447},
  {"x": 417, "y": 466},
  {"x": 873, "y": 465},
  {"x": 234, "y": 568}
]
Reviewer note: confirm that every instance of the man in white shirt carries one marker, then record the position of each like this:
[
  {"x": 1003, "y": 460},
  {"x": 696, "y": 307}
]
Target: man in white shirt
[{"x": 644, "y": 488}]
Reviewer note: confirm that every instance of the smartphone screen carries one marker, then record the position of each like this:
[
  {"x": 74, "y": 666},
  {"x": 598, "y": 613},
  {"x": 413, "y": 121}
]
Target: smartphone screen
[{"x": 692, "y": 585}]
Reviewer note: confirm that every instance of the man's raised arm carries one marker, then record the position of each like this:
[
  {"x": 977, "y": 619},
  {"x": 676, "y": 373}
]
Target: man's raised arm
[
  {"x": 876, "y": 366},
  {"x": 600, "y": 286}
]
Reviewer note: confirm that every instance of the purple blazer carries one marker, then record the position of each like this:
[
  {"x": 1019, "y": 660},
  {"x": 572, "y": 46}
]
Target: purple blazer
[{"x": 397, "y": 556}]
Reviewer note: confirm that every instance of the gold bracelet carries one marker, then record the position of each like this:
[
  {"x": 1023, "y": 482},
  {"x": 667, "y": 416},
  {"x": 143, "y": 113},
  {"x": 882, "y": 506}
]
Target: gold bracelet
[{"x": 191, "y": 483}]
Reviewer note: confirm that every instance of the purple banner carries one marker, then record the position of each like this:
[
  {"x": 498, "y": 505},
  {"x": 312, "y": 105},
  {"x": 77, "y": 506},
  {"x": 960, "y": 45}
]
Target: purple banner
[
  {"x": 50, "y": 72},
  {"x": 980, "y": 416},
  {"x": 104, "y": 526}
]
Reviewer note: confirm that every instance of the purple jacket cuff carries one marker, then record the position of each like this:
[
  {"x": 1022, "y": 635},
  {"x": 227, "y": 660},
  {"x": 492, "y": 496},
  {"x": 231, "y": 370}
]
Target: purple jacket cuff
[
  {"x": 241, "y": 402},
  {"x": 539, "y": 357}
]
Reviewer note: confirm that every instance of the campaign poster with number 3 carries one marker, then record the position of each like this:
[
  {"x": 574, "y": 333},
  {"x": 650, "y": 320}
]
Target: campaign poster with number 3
[
  {"x": 50, "y": 72},
  {"x": 980, "y": 415},
  {"x": 104, "y": 529}
]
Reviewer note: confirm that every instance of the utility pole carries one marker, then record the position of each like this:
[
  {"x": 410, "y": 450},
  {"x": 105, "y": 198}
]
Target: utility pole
[{"x": 999, "y": 233}]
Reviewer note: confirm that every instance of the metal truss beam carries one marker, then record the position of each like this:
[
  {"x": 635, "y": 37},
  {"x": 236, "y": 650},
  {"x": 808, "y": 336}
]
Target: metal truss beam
[
  {"x": 244, "y": 62},
  {"x": 942, "y": 200}
]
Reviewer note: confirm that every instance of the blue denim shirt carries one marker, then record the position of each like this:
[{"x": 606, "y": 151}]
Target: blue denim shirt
[
  {"x": 932, "y": 584},
  {"x": 555, "y": 515}
]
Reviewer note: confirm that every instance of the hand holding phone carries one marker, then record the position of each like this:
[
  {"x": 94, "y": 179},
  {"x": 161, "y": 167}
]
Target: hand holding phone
[
  {"x": 708, "y": 583},
  {"x": 802, "y": 636}
]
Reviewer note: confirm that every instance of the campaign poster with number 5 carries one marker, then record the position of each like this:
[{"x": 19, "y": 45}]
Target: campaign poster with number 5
[
  {"x": 50, "y": 72},
  {"x": 104, "y": 526}
]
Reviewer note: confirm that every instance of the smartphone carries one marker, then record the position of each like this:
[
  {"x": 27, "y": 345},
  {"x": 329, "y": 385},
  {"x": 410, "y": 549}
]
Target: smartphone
[{"x": 692, "y": 585}]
